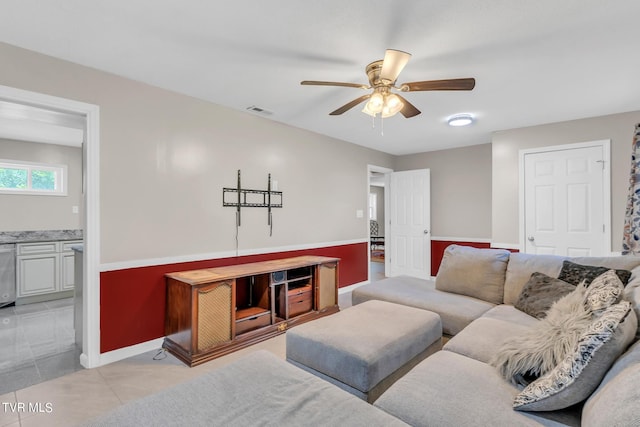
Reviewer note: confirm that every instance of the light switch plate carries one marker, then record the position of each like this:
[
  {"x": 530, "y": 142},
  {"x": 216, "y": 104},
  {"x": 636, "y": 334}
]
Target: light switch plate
[{"x": 359, "y": 213}]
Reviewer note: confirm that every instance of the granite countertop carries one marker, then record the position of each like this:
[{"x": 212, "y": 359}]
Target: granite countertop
[{"x": 39, "y": 236}]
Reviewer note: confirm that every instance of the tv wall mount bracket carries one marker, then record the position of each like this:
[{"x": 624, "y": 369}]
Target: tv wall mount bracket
[{"x": 239, "y": 198}]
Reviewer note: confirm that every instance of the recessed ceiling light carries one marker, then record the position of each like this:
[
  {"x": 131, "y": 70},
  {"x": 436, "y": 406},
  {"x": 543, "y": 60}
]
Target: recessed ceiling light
[{"x": 460, "y": 120}]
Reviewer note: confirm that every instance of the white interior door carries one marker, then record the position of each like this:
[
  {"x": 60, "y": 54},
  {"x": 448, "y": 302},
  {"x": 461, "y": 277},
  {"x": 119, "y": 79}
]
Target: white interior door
[
  {"x": 408, "y": 237},
  {"x": 566, "y": 201}
]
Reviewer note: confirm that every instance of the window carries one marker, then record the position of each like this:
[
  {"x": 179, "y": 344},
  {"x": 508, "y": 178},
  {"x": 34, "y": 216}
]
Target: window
[
  {"x": 17, "y": 177},
  {"x": 373, "y": 205}
]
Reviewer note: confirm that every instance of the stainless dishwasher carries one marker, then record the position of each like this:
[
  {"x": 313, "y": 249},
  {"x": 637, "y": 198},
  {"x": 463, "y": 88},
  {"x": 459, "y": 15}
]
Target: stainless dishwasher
[{"x": 7, "y": 274}]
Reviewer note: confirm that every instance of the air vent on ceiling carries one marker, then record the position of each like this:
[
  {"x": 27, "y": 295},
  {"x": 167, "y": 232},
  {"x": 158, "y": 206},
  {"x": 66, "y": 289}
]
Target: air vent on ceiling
[{"x": 259, "y": 110}]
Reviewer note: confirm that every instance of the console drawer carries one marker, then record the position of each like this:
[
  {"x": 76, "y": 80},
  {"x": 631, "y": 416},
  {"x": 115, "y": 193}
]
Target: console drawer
[
  {"x": 300, "y": 300},
  {"x": 253, "y": 321}
]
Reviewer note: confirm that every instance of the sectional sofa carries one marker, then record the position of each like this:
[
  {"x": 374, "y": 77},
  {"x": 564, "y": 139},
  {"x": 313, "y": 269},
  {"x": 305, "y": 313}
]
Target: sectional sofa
[
  {"x": 488, "y": 300},
  {"x": 476, "y": 294}
]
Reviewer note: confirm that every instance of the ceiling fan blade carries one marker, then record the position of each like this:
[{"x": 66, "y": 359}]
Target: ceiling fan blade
[
  {"x": 320, "y": 83},
  {"x": 350, "y": 105},
  {"x": 448, "y": 84},
  {"x": 393, "y": 63},
  {"x": 408, "y": 110}
]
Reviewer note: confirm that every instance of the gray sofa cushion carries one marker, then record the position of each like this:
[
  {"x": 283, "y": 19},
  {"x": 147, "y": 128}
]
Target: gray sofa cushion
[
  {"x": 456, "y": 311},
  {"x": 509, "y": 313},
  {"x": 627, "y": 262},
  {"x": 473, "y": 272},
  {"x": 632, "y": 293},
  {"x": 259, "y": 389},
  {"x": 448, "y": 389},
  {"x": 615, "y": 402},
  {"x": 482, "y": 337}
]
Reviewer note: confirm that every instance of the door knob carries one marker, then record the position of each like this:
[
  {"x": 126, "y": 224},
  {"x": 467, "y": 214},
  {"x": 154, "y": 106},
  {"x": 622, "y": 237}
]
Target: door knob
[
  {"x": 426, "y": 231},
  {"x": 531, "y": 238}
]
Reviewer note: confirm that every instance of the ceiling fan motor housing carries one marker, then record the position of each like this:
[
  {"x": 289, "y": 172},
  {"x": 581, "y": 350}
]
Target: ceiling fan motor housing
[{"x": 373, "y": 73}]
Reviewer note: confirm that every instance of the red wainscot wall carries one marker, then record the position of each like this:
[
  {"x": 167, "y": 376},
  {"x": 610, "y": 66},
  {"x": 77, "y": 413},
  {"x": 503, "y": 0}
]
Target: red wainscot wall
[
  {"x": 438, "y": 247},
  {"x": 133, "y": 300}
]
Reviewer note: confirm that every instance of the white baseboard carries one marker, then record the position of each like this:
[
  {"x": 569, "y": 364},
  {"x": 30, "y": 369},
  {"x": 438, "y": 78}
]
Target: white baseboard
[
  {"x": 461, "y": 239},
  {"x": 515, "y": 246},
  {"x": 124, "y": 353},
  {"x": 349, "y": 288}
]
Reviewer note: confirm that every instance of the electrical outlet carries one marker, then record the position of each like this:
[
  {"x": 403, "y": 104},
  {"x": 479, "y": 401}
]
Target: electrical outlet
[
  {"x": 75, "y": 209},
  {"x": 359, "y": 213}
]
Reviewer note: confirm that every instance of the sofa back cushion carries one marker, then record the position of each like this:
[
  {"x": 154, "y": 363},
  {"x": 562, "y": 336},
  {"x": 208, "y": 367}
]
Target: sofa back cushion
[
  {"x": 615, "y": 401},
  {"x": 632, "y": 294},
  {"x": 521, "y": 266},
  {"x": 478, "y": 273}
]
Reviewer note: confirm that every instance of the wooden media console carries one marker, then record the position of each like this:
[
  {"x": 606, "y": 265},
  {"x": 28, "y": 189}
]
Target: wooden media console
[{"x": 215, "y": 311}]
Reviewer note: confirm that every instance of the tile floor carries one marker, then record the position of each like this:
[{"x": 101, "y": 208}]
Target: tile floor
[
  {"x": 36, "y": 344},
  {"x": 376, "y": 271},
  {"x": 69, "y": 394}
]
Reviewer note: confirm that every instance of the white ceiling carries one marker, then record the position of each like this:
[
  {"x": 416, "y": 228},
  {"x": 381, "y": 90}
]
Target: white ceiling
[{"x": 534, "y": 62}]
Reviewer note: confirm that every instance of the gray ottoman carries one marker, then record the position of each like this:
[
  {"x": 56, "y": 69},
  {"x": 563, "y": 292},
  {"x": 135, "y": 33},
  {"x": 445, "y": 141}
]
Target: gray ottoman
[{"x": 365, "y": 348}]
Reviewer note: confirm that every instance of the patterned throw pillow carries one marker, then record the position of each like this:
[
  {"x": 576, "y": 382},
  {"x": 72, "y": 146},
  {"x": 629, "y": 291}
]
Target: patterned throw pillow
[
  {"x": 575, "y": 273},
  {"x": 539, "y": 294},
  {"x": 603, "y": 292},
  {"x": 579, "y": 374}
]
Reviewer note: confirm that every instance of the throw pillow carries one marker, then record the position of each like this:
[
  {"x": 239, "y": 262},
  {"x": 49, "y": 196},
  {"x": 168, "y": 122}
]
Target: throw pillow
[
  {"x": 540, "y": 292},
  {"x": 579, "y": 374},
  {"x": 604, "y": 291},
  {"x": 577, "y": 273},
  {"x": 474, "y": 272},
  {"x": 540, "y": 348}
]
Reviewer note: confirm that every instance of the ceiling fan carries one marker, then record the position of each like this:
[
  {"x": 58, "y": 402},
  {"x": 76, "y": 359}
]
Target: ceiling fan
[{"x": 382, "y": 76}]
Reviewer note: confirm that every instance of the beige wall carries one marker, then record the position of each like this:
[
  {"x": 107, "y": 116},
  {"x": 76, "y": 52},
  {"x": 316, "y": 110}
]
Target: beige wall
[
  {"x": 460, "y": 189},
  {"x": 165, "y": 158},
  {"x": 506, "y": 145},
  {"x": 35, "y": 212}
]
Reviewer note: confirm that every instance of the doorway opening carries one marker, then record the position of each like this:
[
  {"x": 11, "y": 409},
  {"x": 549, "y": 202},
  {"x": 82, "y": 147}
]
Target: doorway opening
[
  {"x": 91, "y": 222},
  {"x": 377, "y": 191}
]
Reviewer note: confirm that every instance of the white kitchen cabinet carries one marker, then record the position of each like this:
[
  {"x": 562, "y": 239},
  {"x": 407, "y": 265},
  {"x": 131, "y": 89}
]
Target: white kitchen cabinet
[
  {"x": 37, "y": 274},
  {"x": 44, "y": 269},
  {"x": 67, "y": 272}
]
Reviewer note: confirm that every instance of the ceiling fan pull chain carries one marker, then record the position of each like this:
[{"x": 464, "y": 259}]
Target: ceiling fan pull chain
[{"x": 381, "y": 126}]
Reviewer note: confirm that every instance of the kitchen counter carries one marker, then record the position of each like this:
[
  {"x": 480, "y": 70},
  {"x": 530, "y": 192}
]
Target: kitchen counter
[{"x": 39, "y": 236}]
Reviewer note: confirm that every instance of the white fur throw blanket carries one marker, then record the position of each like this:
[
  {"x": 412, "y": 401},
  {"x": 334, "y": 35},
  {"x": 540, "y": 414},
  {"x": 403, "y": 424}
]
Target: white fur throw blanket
[{"x": 543, "y": 346}]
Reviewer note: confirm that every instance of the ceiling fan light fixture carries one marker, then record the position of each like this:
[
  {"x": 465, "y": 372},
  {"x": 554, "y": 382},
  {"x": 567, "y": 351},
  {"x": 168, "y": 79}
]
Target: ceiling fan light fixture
[
  {"x": 392, "y": 105},
  {"x": 368, "y": 111},
  {"x": 376, "y": 102},
  {"x": 460, "y": 120}
]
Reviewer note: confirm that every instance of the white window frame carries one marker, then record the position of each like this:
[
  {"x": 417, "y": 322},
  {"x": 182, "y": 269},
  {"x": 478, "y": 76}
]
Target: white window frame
[{"x": 60, "y": 177}]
